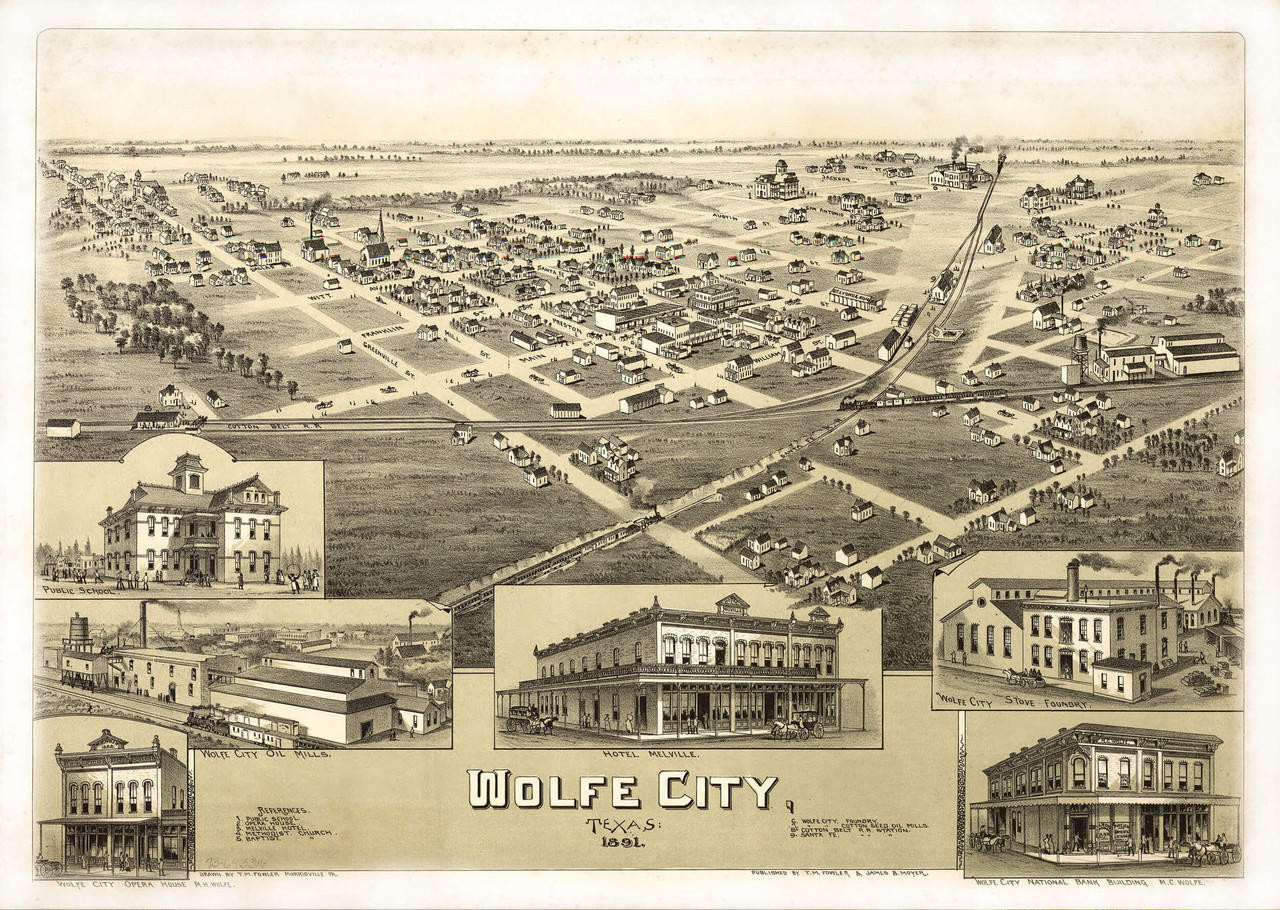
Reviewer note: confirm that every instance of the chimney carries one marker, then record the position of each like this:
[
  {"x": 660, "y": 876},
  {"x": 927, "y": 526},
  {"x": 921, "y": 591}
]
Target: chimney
[
  {"x": 1157, "y": 579},
  {"x": 1194, "y": 575},
  {"x": 1213, "y": 583},
  {"x": 1073, "y": 581},
  {"x": 1176, "y": 573},
  {"x": 142, "y": 621}
]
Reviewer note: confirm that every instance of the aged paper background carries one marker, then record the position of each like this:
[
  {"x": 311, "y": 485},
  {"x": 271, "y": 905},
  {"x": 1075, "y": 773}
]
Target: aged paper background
[{"x": 408, "y": 811}]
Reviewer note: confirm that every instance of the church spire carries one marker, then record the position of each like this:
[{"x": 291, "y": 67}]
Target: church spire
[{"x": 382, "y": 235}]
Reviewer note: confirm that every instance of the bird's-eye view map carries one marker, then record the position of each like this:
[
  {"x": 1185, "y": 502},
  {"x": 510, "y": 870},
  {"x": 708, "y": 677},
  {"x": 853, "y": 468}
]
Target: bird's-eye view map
[{"x": 832, "y": 365}]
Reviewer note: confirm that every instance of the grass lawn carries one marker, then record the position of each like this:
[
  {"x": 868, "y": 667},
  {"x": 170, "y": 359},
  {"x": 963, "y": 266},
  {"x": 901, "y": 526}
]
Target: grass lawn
[
  {"x": 1018, "y": 371},
  {"x": 930, "y": 460},
  {"x": 1198, "y": 281},
  {"x": 677, "y": 459},
  {"x": 425, "y": 356},
  {"x": 906, "y": 598},
  {"x": 1139, "y": 507},
  {"x": 271, "y": 331},
  {"x": 1023, "y": 335},
  {"x": 775, "y": 379},
  {"x": 297, "y": 280},
  {"x": 356, "y": 313},
  {"x": 504, "y": 396},
  {"x": 637, "y": 560},
  {"x": 817, "y": 515},
  {"x": 599, "y": 379}
]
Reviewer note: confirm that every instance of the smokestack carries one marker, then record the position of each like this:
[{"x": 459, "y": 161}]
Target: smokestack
[
  {"x": 1194, "y": 575},
  {"x": 1073, "y": 581},
  {"x": 411, "y": 625},
  {"x": 1213, "y": 583},
  {"x": 142, "y": 621},
  {"x": 1176, "y": 572},
  {"x": 1157, "y": 580}
]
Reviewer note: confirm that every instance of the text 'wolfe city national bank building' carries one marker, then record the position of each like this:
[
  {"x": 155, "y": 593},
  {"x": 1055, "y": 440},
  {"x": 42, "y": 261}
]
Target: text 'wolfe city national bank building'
[{"x": 669, "y": 672}]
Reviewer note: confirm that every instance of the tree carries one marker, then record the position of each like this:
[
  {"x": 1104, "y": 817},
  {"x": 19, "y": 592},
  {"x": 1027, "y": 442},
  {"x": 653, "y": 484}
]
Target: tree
[
  {"x": 276, "y": 377},
  {"x": 292, "y": 386}
]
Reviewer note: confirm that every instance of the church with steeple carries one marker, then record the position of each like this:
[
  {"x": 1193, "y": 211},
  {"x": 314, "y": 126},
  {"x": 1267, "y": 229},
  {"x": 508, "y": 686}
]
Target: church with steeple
[{"x": 376, "y": 252}]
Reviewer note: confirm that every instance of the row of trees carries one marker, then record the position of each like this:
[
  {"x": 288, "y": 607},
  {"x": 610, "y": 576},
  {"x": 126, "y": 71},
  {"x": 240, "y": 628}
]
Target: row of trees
[{"x": 164, "y": 323}]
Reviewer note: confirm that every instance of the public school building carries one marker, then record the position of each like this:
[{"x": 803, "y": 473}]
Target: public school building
[{"x": 660, "y": 672}]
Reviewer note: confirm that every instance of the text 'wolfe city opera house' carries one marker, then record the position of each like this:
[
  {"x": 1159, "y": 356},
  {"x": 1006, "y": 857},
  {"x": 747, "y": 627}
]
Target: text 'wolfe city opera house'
[{"x": 662, "y": 672}]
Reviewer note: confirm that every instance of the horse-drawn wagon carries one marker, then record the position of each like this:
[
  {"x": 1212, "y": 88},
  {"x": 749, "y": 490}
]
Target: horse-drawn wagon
[
  {"x": 527, "y": 719},
  {"x": 1024, "y": 679}
]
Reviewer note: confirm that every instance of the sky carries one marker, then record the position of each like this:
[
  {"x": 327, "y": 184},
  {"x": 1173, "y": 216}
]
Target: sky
[{"x": 441, "y": 86}]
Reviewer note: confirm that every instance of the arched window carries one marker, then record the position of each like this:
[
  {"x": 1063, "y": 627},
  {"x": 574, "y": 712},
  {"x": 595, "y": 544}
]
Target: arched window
[
  {"x": 740, "y": 653},
  {"x": 133, "y": 796},
  {"x": 668, "y": 649},
  {"x": 991, "y": 641},
  {"x": 1077, "y": 772},
  {"x": 237, "y": 528},
  {"x": 544, "y": 673},
  {"x": 1035, "y": 655},
  {"x": 597, "y": 660},
  {"x": 71, "y": 800},
  {"x": 795, "y": 655},
  {"x": 1126, "y": 769},
  {"x": 253, "y": 529},
  {"x": 617, "y": 657},
  {"x": 573, "y": 665},
  {"x": 97, "y": 799},
  {"x": 84, "y": 799},
  {"x": 686, "y": 650},
  {"x": 637, "y": 652},
  {"x": 562, "y": 668},
  {"x": 119, "y": 797},
  {"x": 1084, "y": 661},
  {"x": 768, "y": 654},
  {"x": 151, "y": 526},
  {"x": 1103, "y": 783},
  {"x": 146, "y": 795},
  {"x": 266, "y": 529},
  {"x": 755, "y": 653},
  {"x": 704, "y": 650},
  {"x": 831, "y": 660}
]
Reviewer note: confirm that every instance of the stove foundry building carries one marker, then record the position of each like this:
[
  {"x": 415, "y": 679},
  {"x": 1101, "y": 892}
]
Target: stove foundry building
[
  {"x": 663, "y": 672},
  {"x": 1103, "y": 793}
]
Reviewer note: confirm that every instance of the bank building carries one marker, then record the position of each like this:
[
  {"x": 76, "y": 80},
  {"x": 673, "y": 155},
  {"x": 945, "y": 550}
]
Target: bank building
[
  {"x": 1100, "y": 793},
  {"x": 181, "y": 529},
  {"x": 665, "y": 673},
  {"x": 124, "y": 810}
]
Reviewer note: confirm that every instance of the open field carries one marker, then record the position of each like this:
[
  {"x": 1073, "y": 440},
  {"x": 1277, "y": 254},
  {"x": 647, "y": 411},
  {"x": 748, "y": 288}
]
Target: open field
[
  {"x": 637, "y": 560},
  {"x": 934, "y": 475},
  {"x": 426, "y": 356},
  {"x": 504, "y": 396},
  {"x": 812, "y": 515},
  {"x": 356, "y": 313}
]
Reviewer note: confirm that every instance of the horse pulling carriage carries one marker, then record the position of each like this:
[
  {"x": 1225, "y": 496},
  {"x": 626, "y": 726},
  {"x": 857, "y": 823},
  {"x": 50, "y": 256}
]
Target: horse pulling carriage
[
  {"x": 988, "y": 843},
  {"x": 1025, "y": 679},
  {"x": 526, "y": 719},
  {"x": 801, "y": 726},
  {"x": 1201, "y": 852}
]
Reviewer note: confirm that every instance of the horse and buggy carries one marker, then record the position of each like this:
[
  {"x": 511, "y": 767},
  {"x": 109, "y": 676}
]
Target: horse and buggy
[
  {"x": 1197, "y": 853},
  {"x": 801, "y": 726},
  {"x": 527, "y": 719},
  {"x": 1024, "y": 679}
]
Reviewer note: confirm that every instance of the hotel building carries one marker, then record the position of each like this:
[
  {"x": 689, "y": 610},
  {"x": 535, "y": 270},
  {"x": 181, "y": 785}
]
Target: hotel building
[{"x": 663, "y": 672}]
